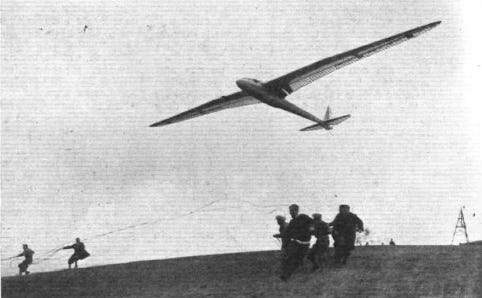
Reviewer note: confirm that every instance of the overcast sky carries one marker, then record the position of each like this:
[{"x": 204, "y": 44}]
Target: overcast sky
[{"x": 81, "y": 83}]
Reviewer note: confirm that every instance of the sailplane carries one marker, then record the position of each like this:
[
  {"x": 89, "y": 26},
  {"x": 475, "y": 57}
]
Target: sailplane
[{"x": 274, "y": 92}]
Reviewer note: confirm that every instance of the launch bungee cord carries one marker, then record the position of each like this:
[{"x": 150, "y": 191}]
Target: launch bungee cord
[{"x": 50, "y": 255}]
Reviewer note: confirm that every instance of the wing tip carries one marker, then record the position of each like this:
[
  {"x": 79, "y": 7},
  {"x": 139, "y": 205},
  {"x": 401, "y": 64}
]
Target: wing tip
[
  {"x": 157, "y": 124},
  {"x": 433, "y": 24}
]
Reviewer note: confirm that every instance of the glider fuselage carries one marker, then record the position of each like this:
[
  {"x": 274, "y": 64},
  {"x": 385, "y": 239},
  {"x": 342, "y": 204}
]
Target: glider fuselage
[{"x": 258, "y": 91}]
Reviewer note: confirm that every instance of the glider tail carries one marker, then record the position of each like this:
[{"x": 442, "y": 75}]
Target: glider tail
[
  {"x": 328, "y": 122},
  {"x": 327, "y": 114}
]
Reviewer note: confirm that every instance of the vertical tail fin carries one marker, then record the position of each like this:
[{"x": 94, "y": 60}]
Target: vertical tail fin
[{"x": 327, "y": 114}]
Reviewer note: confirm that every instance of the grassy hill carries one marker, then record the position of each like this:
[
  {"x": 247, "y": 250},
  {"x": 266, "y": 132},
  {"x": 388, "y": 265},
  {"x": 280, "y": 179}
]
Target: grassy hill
[{"x": 373, "y": 271}]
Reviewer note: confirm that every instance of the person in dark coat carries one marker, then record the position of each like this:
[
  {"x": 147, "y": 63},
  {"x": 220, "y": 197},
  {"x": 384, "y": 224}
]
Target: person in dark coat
[
  {"x": 298, "y": 236},
  {"x": 28, "y": 254},
  {"x": 345, "y": 225},
  {"x": 282, "y": 230},
  {"x": 319, "y": 252},
  {"x": 79, "y": 252}
]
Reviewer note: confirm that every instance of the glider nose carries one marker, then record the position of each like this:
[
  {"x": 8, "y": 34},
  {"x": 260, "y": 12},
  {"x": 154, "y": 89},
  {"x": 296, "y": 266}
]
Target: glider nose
[{"x": 242, "y": 83}]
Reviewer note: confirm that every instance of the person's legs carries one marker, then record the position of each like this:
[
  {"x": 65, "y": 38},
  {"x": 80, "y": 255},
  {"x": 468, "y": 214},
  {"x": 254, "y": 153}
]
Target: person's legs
[
  {"x": 286, "y": 262},
  {"x": 294, "y": 256},
  {"x": 350, "y": 245},
  {"x": 72, "y": 259},
  {"x": 324, "y": 256},
  {"x": 345, "y": 255},
  {"x": 319, "y": 257},
  {"x": 315, "y": 252},
  {"x": 340, "y": 246},
  {"x": 22, "y": 267},
  {"x": 338, "y": 253},
  {"x": 311, "y": 255}
]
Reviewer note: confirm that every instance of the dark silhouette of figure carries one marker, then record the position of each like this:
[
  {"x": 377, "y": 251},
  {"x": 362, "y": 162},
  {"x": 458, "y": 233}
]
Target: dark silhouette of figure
[
  {"x": 392, "y": 242},
  {"x": 28, "y": 254},
  {"x": 298, "y": 236},
  {"x": 319, "y": 252},
  {"x": 282, "y": 230},
  {"x": 79, "y": 252},
  {"x": 345, "y": 225}
]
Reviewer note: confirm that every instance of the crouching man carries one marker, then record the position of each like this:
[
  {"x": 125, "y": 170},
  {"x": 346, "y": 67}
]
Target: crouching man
[{"x": 79, "y": 252}]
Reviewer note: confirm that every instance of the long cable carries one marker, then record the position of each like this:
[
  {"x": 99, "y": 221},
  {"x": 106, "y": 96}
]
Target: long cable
[{"x": 48, "y": 255}]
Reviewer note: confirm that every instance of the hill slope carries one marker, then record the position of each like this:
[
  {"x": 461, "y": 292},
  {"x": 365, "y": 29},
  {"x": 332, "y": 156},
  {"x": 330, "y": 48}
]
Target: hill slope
[{"x": 374, "y": 271}]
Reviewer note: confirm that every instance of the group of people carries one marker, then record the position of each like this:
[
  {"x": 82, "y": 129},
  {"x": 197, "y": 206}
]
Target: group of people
[
  {"x": 79, "y": 254},
  {"x": 296, "y": 236}
]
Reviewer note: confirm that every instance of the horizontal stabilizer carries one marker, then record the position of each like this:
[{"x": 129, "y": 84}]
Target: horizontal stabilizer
[
  {"x": 338, "y": 120},
  {"x": 312, "y": 127},
  {"x": 326, "y": 124}
]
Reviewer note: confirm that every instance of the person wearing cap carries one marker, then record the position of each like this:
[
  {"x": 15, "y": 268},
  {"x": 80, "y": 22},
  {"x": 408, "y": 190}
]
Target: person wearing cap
[
  {"x": 282, "y": 230},
  {"x": 79, "y": 252},
  {"x": 298, "y": 236},
  {"x": 28, "y": 254},
  {"x": 319, "y": 252},
  {"x": 345, "y": 225}
]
